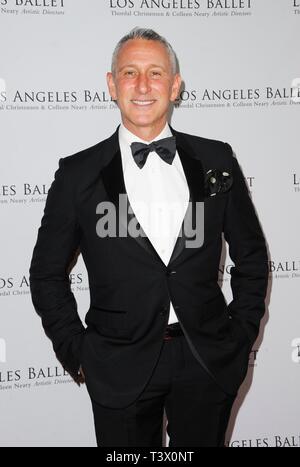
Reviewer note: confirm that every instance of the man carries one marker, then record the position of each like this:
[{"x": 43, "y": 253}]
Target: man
[{"x": 159, "y": 333}]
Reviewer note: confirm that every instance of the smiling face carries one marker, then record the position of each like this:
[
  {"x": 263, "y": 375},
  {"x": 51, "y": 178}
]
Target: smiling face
[{"x": 143, "y": 84}]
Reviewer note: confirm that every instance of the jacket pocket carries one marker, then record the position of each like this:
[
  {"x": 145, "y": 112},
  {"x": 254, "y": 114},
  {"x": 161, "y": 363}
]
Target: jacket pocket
[
  {"x": 108, "y": 322},
  {"x": 212, "y": 309}
]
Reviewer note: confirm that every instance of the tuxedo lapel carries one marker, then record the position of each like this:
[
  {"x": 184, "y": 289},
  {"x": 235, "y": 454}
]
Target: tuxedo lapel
[
  {"x": 194, "y": 174},
  {"x": 113, "y": 179}
]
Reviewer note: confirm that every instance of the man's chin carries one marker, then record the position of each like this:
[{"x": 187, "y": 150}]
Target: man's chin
[{"x": 142, "y": 122}]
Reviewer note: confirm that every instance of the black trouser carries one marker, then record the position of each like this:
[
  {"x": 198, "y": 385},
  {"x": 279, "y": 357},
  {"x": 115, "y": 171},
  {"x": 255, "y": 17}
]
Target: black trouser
[{"x": 197, "y": 409}]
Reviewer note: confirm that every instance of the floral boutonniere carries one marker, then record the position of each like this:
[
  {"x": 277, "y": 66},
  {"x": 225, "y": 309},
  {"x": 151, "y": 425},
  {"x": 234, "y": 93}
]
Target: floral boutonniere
[{"x": 217, "y": 181}]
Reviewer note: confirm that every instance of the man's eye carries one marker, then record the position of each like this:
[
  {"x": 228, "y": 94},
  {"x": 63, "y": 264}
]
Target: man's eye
[
  {"x": 156, "y": 73},
  {"x": 129, "y": 73}
]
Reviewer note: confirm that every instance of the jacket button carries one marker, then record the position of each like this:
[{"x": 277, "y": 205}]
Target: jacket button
[{"x": 170, "y": 272}]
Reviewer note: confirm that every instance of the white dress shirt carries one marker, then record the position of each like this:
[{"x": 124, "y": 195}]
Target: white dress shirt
[{"x": 158, "y": 194}]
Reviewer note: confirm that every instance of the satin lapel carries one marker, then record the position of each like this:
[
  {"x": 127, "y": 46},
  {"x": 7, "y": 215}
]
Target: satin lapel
[
  {"x": 194, "y": 174},
  {"x": 113, "y": 179}
]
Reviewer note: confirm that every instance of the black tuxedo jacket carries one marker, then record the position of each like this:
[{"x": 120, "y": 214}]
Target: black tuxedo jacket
[{"x": 130, "y": 286}]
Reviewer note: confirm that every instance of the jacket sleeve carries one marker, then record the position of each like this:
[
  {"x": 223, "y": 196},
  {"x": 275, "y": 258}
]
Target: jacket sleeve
[
  {"x": 58, "y": 239},
  {"x": 247, "y": 249}
]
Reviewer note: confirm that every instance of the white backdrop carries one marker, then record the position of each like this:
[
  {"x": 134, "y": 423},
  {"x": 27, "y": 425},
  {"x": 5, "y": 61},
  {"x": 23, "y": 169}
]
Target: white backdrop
[{"x": 240, "y": 63}]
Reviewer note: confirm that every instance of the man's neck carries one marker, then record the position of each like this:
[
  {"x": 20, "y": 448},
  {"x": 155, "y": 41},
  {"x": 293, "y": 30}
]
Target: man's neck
[{"x": 145, "y": 133}]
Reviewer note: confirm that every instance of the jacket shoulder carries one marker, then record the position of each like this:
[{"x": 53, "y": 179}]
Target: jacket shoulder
[
  {"x": 82, "y": 155},
  {"x": 207, "y": 146},
  {"x": 91, "y": 157},
  {"x": 213, "y": 153}
]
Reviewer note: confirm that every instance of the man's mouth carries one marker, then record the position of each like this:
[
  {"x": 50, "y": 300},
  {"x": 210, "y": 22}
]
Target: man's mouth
[{"x": 143, "y": 103}]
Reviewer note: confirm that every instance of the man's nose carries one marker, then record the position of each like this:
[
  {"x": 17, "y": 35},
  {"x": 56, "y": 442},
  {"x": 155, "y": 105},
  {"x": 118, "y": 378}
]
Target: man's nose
[{"x": 143, "y": 84}]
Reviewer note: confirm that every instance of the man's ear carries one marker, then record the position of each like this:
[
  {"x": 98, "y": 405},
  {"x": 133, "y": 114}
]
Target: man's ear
[
  {"x": 111, "y": 85},
  {"x": 175, "y": 87}
]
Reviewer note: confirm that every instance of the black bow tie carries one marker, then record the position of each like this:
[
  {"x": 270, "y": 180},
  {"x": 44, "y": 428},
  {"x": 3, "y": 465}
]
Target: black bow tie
[{"x": 165, "y": 148}]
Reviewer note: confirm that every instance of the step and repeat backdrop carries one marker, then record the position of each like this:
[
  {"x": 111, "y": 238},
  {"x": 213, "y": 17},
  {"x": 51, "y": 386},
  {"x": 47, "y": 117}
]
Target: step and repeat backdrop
[{"x": 240, "y": 63}]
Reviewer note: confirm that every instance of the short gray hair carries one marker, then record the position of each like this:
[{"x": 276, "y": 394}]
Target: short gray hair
[{"x": 149, "y": 35}]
